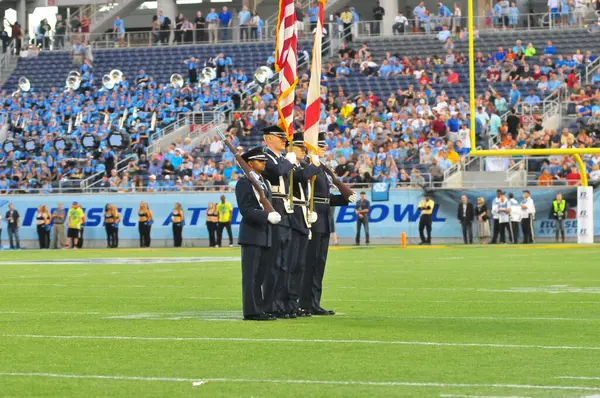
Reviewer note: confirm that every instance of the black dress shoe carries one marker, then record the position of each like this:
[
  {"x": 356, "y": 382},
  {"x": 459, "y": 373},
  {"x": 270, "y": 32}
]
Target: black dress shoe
[
  {"x": 260, "y": 317},
  {"x": 292, "y": 315},
  {"x": 323, "y": 311},
  {"x": 301, "y": 312},
  {"x": 281, "y": 315}
]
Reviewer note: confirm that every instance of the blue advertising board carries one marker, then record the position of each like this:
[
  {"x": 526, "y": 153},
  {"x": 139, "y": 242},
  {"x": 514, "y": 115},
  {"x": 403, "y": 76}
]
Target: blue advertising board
[{"x": 387, "y": 219}]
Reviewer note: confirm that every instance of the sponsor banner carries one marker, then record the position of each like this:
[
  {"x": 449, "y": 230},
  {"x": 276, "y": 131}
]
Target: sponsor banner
[
  {"x": 585, "y": 215},
  {"x": 386, "y": 219}
]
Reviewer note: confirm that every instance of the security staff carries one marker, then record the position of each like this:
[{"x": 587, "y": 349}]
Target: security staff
[
  {"x": 255, "y": 237},
  {"x": 559, "y": 208},
  {"x": 515, "y": 217},
  {"x": 496, "y": 217},
  {"x": 363, "y": 207},
  {"x": 300, "y": 222},
  {"x": 504, "y": 218},
  {"x": 527, "y": 217},
  {"x": 466, "y": 215},
  {"x": 276, "y": 172},
  {"x": 426, "y": 206},
  {"x": 318, "y": 245}
]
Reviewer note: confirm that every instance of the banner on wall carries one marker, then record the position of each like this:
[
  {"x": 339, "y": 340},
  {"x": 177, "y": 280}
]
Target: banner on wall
[{"x": 386, "y": 219}]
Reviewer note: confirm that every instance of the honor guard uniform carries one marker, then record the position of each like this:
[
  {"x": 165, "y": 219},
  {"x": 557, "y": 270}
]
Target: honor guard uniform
[
  {"x": 255, "y": 236},
  {"x": 300, "y": 222},
  {"x": 318, "y": 245},
  {"x": 276, "y": 172}
]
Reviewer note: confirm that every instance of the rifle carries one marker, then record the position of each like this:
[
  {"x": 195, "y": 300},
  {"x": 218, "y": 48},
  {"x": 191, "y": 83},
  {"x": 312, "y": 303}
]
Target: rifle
[
  {"x": 262, "y": 198},
  {"x": 344, "y": 189}
]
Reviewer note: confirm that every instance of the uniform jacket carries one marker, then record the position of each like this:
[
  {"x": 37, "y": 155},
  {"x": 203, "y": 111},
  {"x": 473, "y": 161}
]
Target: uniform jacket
[
  {"x": 323, "y": 190},
  {"x": 255, "y": 228},
  {"x": 302, "y": 173},
  {"x": 277, "y": 171}
]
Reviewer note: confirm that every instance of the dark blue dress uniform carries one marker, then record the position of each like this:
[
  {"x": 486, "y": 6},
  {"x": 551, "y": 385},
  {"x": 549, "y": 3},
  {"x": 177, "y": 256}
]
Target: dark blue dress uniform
[
  {"x": 255, "y": 237},
  {"x": 300, "y": 231},
  {"x": 281, "y": 256},
  {"x": 318, "y": 246}
]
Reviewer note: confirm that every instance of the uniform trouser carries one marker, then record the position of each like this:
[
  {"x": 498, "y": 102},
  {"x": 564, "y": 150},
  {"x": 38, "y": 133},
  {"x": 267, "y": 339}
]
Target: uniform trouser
[
  {"x": 80, "y": 240},
  {"x": 296, "y": 255},
  {"x": 527, "y": 227},
  {"x": 144, "y": 230},
  {"x": 467, "y": 231},
  {"x": 314, "y": 271},
  {"x": 277, "y": 267},
  {"x": 43, "y": 236},
  {"x": 253, "y": 271},
  {"x": 496, "y": 230},
  {"x": 560, "y": 228},
  {"x": 177, "y": 234},
  {"x": 505, "y": 230},
  {"x": 212, "y": 233},
  {"x": 226, "y": 225},
  {"x": 515, "y": 231},
  {"x": 360, "y": 222},
  {"x": 425, "y": 224},
  {"x": 13, "y": 237},
  {"x": 58, "y": 237}
]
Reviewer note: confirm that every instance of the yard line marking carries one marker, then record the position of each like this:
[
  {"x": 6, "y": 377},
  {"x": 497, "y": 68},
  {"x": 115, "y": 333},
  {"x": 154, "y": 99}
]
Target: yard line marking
[
  {"x": 578, "y": 377},
  {"x": 281, "y": 381},
  {"x": 128, "y": 315},
  {"x": 480, "y": 396},
  {"x": 310, "y": 341}
]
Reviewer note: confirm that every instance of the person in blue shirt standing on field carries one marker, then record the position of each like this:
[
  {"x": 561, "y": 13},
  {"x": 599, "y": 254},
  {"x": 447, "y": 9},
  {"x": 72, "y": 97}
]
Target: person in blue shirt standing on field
[
  {"x": 119, "y": 30},
  {"x": 225, "y": 23}
]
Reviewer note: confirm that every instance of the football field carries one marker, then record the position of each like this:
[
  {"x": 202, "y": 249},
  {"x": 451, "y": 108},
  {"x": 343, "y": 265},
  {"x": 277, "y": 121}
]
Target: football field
[{"x": 425, "y": 322}]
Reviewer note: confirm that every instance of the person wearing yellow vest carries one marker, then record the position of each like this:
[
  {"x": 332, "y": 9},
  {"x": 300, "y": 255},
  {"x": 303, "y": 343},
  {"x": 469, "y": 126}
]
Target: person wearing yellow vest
[
  {"x": 224, "y": 210},
  {"x": 76, "y": 218},
  {"x": 559, "y": 207},
  {"x": 426, "y": 207}
]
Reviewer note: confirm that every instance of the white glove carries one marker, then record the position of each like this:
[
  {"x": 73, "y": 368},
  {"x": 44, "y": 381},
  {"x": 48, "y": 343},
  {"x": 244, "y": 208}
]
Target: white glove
[
  {"x": 315, "y": 160},
  {"x": 352, "y": 198},
  {"x": 291, "y": 157},
  {"x": 312, "y": 217},
  {"x": 274, "y": 217}
]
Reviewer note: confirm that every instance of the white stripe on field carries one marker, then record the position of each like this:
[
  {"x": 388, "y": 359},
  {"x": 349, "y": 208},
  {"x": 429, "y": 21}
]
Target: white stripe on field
[
  {"x": 276, "y": 381},
  {"x": 579, "y": 377},
  {"x": 310, "y": 341},
  {"x": 340, "y": 315},
  {"x": 480, "y": 396}
]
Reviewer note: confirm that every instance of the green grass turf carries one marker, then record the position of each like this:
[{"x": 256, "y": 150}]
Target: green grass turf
[{"x": 520, "y": 296}]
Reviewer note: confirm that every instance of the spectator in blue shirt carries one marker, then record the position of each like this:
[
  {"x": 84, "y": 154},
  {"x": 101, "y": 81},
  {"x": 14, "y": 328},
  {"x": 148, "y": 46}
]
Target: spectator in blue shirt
[
  {"x": 244, "y": 17},
  {"x": 385, "y": 70},
  {"x": 342, "y": 70},
  {"x": 550, "y": 49},
  {"x": 313, "y": 15},
  {"x": 596, "y": 77},
  {"x": 225, "y": 23},
  {"x": 213, "y": 20},
  {"x": 514, "y": 95},
  {"x": 444, "y": 34},
  {"x": 119, "y": 30},
  {"x": 532, "y": 100}
]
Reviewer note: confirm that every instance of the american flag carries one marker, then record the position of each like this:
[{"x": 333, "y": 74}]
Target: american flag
[
  {"x": 286, "y": 63},
  {"x": 313, "y": 100}
]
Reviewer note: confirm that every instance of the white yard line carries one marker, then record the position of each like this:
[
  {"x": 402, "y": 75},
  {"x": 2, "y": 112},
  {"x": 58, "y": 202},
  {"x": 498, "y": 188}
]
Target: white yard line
[
  {"x": 579, "y": 377},
  {"x": 308, "y": 341},
  {"x": 330, "y": 382},
  {"x": 480, "y": 396}
]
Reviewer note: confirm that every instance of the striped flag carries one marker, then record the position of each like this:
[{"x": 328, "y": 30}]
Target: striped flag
[
  {"x": 313, "y": 100},
  {"x": 286, "y": 63}
]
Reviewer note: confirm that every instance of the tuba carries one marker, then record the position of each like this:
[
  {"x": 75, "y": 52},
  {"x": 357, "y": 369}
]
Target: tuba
[
  {"x": 263, "y": 74},
  {"x": 24, "y": 86},
  {"x": 176, "y": 80},
  {"x": 208, "y": 75},
  {"x": 73, "y": 80},
  {"x": 116, "y": 75},
  {"x": 108, "y": 82}
]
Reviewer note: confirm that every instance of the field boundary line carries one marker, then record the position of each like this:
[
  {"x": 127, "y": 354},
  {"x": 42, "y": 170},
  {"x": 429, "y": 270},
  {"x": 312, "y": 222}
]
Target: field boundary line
[
  {"x": 332, "y": 382},
  {"x": 309, "y": 341}
]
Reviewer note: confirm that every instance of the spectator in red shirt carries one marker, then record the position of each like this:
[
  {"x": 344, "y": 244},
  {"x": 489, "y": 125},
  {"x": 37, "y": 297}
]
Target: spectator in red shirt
[
  {"x": 452, "y": 77},
  {"x": 493, "y": 75},
  {"x": 438, "y": 126},
  {"x": 424, "y": 80},
  {"x": 572, "y": 79},
  {"x": 573, "y": 177}
]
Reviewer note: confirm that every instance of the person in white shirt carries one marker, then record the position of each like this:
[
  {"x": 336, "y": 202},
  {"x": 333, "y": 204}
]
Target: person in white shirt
[
  {"x": 216, "y": 146},
  {"x": 527, "y": 217},
  {"x": 400, "y": 22},
  {"x": 515, "y": 217},
  {"x": 496, "y": 216},
  {"x": 504, "y": 218}
]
